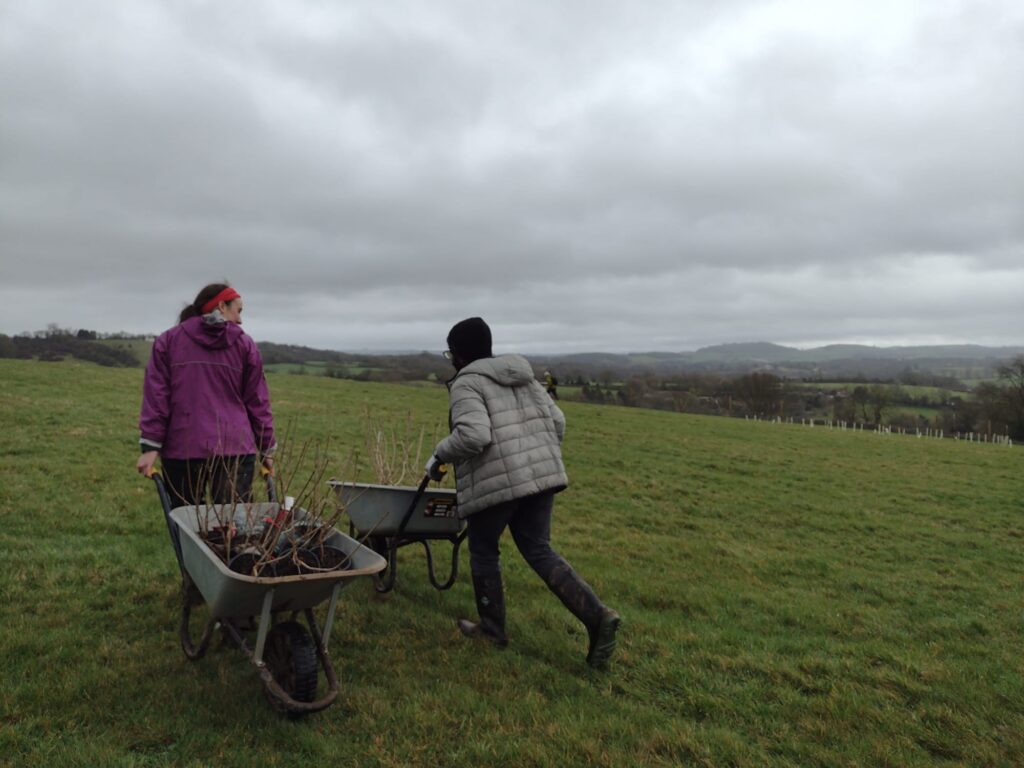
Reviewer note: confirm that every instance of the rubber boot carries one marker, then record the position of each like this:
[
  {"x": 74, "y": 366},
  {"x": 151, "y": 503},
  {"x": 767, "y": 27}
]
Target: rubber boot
[
  {"x": 490, "y": 604},
  {"x": 601, "y": 622},
  {"x": 602, "y": 639}
]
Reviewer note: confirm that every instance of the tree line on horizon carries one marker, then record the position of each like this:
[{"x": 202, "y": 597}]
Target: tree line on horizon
[
  {"x": 990, "y": 407},
  {"x": 55, "y": 343},
  {"x": 995, "y": 406}
]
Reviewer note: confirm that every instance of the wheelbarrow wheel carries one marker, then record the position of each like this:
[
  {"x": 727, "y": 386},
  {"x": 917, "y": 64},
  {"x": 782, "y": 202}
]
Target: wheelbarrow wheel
[
  {"x": 290, "y": 656},
  {"x": 191, "y": 600}
]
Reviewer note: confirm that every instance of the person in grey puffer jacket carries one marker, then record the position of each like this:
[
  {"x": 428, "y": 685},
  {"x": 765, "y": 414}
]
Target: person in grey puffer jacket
[{"x": 504, "y": 445}]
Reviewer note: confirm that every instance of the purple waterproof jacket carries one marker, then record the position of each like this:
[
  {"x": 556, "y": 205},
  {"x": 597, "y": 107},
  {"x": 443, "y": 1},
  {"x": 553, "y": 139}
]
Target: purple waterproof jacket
[{"x": 205, "y": 395}]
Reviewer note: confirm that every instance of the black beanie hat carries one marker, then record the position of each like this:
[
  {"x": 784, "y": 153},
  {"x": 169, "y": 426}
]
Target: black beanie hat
[{"x": 470, "y": 339}]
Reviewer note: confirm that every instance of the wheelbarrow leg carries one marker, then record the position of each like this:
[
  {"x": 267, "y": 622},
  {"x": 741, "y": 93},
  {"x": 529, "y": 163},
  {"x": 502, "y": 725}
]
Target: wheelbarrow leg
[
  {"x": 261, "y": 634},
  {"x": 387, "y": 548},
  {"x": 453, "y": 574},
  {"x": 329, "y": 620}
]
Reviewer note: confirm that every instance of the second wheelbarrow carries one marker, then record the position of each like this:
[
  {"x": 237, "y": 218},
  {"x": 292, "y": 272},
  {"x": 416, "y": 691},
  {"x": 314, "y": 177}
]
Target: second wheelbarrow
[
  {"x": 389, "y": 517},
  {"x": 285, "y": 652}
]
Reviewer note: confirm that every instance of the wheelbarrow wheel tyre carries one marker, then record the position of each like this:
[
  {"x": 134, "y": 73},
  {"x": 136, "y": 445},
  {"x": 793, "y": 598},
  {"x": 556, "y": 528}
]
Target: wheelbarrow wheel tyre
[
  {"x": 290, "y": 656},
  {"x": 192, "y": 599}
]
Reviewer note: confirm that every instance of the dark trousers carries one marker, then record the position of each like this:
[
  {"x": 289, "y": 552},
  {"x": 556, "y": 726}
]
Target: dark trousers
[
  {"x": 228, "y": 479},
  {"x": 529, "y": 519}
]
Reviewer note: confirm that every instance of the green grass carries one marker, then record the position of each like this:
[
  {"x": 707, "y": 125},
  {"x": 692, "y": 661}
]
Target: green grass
[
  {"x": 138, "y": 347},
  {"x": 313, "y": 368},
  {"x": 316, "y": 368},
  {"x": 936, "y": 395},
  {"x": 791, "y": 597}
]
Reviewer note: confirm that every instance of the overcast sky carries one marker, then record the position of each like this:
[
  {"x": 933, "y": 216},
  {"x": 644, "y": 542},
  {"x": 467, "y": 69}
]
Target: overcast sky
[{"x": 584, "y": 175}]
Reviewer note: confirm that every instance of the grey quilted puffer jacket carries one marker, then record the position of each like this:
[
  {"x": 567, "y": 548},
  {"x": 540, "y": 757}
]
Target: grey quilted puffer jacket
[{"x": 505, "y": 437}]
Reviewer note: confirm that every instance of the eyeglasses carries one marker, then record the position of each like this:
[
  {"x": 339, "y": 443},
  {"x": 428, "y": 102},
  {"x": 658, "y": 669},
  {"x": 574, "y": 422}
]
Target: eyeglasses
[{"x": 447, "y": 354}]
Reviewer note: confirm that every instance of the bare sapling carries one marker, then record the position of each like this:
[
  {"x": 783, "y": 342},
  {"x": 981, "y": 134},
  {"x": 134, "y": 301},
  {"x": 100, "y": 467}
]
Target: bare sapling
[
  {"x": 296, "y": 539},
  {"x": 396, "y": 449},
  {"x": 286, "y": 535}
]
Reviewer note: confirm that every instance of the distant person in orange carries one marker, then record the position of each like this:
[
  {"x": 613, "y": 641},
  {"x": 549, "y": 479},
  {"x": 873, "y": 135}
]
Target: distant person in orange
[
  {"x": 205, "y": 404},
  {"x": 551, "y": 384}
]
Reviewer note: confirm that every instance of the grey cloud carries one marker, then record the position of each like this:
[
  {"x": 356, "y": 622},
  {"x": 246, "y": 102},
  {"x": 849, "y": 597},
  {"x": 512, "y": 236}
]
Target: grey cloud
[{"x": 620, "y": 177}]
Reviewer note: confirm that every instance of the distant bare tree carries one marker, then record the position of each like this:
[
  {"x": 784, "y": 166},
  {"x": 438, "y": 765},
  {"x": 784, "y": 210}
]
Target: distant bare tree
[
  {"x": 761, "y": 393},
  {"x": 989, "y": 407},
  {"x": 859, "y": 401},
  {"x": 1013, "y": 375},
  {"x": 879, "y": 396}
]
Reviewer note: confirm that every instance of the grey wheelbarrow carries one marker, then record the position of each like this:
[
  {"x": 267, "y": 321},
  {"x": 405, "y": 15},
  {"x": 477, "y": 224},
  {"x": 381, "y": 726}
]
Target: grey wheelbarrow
[
  {"x": 286, "y": 653},
  {"x": 389, "y": 517}
]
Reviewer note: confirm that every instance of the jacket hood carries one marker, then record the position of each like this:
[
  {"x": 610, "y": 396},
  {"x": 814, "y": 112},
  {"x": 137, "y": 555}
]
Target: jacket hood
[
  {"x": 507, "y": 370},
  {"x": 211, "y": 335}
]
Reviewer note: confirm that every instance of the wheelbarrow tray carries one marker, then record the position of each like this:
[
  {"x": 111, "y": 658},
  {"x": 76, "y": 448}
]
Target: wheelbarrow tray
[
  {"x": 378, "y": 510},
  {"x": 231, "y": 594}
]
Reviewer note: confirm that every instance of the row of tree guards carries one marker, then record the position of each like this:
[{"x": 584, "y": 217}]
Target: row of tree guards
[{"x": 856, "y": 426}]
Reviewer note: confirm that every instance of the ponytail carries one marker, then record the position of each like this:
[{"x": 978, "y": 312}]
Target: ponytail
[{"x": 196, "y": 307}]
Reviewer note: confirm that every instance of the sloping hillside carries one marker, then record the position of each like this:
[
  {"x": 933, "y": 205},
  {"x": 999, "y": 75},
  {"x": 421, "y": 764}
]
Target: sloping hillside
[{"x": 791, "y": 596}]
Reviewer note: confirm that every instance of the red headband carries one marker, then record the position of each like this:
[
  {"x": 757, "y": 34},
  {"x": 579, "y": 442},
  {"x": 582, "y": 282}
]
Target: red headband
[{"x": 227, "y": 294}]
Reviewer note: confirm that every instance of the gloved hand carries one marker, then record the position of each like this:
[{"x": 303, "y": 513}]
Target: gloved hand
[{"x": 435, "y": 469}]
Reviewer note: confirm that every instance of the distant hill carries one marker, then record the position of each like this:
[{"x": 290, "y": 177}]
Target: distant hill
[
  {"x": 959, "y": 361},
  {"x": 775, "y": 353},
  {"x": 834, "y": 360},
  {"x": 761, "y": 351}
]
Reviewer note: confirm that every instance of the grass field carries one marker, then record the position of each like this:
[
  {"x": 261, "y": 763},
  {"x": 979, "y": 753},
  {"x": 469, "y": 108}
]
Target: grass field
[
  {"x": 140, "y": 348},
  {"x": 791, "y": 597},
  {"x": 314, "y": 367},
  {"x": 318, "y": 368}
]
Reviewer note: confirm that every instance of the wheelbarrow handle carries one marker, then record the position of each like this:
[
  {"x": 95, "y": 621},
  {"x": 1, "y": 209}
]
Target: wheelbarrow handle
[
  {"x": 268, "y": 478},
  {"x": 161, "y": 490},
  {"x": 165, "y": 502},
  {"x": 412, "y": 506}
]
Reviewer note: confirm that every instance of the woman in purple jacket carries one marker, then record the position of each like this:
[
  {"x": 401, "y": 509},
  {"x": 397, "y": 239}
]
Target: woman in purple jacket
[{"x": 205, "y": 404}]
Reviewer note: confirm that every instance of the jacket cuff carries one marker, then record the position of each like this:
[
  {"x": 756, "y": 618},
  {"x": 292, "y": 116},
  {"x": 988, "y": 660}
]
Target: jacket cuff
[
  {"x": 269, "y": 452},
  {"x": 149, "y": 445}
]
